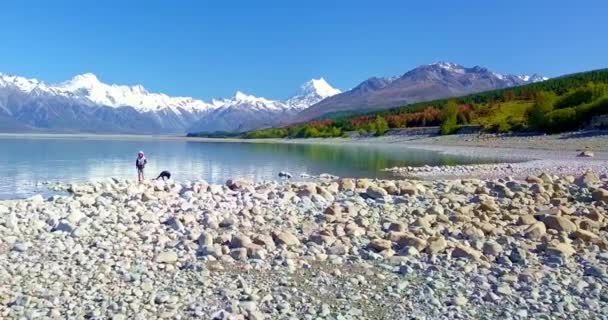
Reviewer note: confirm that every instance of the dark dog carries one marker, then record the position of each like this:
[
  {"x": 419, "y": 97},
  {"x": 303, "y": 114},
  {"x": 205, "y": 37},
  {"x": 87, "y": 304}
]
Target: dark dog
[
  {"x": 165, "y": 175},
  {"x": 285, "y": 175}
]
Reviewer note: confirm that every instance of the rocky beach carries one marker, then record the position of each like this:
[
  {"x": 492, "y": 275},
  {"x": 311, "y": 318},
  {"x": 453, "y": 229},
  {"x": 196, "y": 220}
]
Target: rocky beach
[
  {"x": 334, "y": 248},
  {"x": 523, "y": 239}
]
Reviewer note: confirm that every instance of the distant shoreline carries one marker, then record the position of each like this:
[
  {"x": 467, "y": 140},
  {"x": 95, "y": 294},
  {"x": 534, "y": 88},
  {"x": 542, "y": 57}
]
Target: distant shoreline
[
  {"x": 519, "y": 147},
  {"x": 518, "y": 156}
]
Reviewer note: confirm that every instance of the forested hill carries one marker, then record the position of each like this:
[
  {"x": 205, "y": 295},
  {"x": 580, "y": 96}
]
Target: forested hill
[{"x": 565, "y": 103}]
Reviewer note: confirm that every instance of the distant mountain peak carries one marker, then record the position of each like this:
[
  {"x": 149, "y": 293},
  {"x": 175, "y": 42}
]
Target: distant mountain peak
[
  {"x": 241, "y": 97},
  {"x": 447, "y": 65},
  {"x": 319, "y": 87},
  {"x": 83, "y": 80},
  {"x": 311, "y": 92},
  {"x": 535, "y": 77}
]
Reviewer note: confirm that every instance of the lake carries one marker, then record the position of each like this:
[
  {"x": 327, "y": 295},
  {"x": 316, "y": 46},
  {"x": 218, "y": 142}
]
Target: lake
[{"x": 26, "y": 162}]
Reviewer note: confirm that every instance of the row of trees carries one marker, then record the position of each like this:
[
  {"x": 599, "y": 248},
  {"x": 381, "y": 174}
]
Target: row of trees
[{"x": 325, "y": 129}]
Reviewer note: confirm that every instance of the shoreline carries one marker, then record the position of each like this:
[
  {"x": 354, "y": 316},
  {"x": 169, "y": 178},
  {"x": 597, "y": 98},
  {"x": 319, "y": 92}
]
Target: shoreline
[
  {"x": 520, "y": 155},
  {"x": 594, "y": 140}
]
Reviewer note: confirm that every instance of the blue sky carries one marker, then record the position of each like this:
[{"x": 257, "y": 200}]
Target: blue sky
[{"x": 210, "y": 49}]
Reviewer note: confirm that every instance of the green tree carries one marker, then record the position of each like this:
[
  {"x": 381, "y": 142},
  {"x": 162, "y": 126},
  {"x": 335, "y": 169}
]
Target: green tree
[
  {"x": 381, "y": 125},
  {"x": 311, "y": 132},
  {"x": 543, "y": 104},
  {"x": 449, "y": 118}
]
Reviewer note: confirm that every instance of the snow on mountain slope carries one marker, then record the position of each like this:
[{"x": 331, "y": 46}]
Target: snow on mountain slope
[
  {"x": 245, "y": 112},
  {"x": 21, "y": 83},
  {"x": 310, "y": 93},
  {"x": 84, "y": 103},
  {"x": 242, "y": 112},
  {"x": 87, "y": 86}
]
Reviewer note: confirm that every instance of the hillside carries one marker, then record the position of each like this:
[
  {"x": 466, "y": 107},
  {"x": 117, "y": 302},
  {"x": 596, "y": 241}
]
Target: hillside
[
  {"x": 424, "y": 83},
  {"x": 565, "y": 103}
]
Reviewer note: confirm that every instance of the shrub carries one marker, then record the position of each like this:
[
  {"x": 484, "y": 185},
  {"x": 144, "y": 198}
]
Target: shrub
[
  {"x": 560, "y": 120},
  {"x": 503, "y": 126},
  {"x": 574, "y": 98},
  {"x": 587, "y": 111}
]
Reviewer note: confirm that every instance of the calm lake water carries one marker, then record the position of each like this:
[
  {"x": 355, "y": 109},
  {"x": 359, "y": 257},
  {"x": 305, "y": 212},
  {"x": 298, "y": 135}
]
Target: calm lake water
[{"x": 27, "y": 162}]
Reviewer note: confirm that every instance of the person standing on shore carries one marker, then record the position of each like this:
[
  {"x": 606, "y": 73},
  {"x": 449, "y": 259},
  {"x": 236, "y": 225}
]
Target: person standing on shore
[{"x": 140, "y": 164}]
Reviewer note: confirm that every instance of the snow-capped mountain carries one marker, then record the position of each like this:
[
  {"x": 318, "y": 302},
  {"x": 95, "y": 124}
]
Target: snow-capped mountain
[
  {"x": 85, "y": 104},
  {"x": 242, "y": 112},
  {"x": 426, "y": 82},
  {"x": 87, "y": 87},
  {"x": 310, "y": 93},
  {"x": 245, "y": 112}
]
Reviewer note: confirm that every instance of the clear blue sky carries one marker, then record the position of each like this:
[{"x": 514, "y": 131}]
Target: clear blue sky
[{"x": 212, "y": 48}]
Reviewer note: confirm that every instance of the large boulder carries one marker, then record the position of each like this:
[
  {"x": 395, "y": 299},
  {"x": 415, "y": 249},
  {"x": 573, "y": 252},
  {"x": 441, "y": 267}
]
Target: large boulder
[
  {"x": 147, "y": 196},
  {"x": 526, "y": 220},
  {"x": 285, "y": 238},
  {"x": 346, "y": 184},
  {"x": 307, "y": 190},
  {"x": 462, "y": 251},
  {"x": 588, "y": 179},
  {"x": 239, "y": 184},
  {"x": 559, "y": 223},
  {"x": 376, "y": 192},
  {"x": 166, "y": 257},
  {"x": 586, "y": 154},
  {"x": 561, "y": 249},
  {"x": 240, "y": 241},
  {"x": 75, "y": 217},
  {"x": 535, "y": 231},
  {"x": 363, "y": 183},
  {"x": 405, "y": 239},
  {"x": 380, "y": 244},
  {"x": 436, "y": 245},
  {"x": 406, "y": 188},
  {"x": 585, "y": 235}
]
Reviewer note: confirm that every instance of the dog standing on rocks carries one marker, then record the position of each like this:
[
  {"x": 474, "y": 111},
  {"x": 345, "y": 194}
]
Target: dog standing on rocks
[{"x": 165, "y": 175}]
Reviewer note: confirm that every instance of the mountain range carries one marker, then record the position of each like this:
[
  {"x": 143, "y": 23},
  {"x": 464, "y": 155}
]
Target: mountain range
[
  {"x": 424, "y": 83},
  {"x": 85, "y": 104}
]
